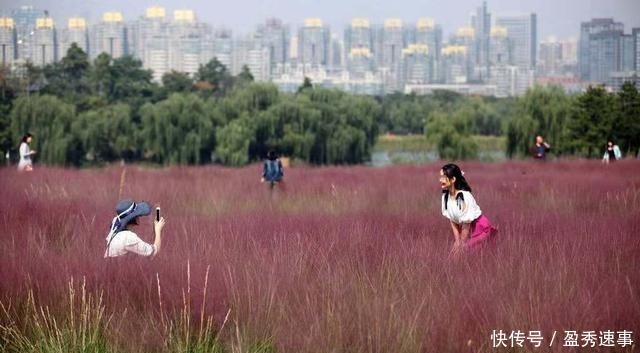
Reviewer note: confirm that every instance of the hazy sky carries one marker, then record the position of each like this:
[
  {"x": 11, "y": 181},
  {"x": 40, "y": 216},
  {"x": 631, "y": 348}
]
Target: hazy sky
[{"x": 555, "y": 17}]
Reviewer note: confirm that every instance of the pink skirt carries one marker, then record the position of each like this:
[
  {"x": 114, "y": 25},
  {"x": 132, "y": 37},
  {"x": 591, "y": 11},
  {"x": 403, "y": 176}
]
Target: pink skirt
[{"x": 481, "y": 232}]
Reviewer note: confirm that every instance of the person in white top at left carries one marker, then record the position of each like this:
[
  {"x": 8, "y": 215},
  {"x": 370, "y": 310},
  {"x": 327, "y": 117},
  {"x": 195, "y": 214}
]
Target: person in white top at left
[
  {"x": 121, "y": 240},
  {"x": 25, "y": 164}
]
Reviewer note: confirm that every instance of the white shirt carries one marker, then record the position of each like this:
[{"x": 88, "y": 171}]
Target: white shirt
[
  {"x": 25, "y": 155},
  {"x": 464, "y": 212},
  {"x": 125, "y": 242}
]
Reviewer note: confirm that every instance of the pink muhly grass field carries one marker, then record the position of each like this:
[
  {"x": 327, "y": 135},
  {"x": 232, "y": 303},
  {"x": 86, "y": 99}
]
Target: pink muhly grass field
[{"x": 343, "y": 259}]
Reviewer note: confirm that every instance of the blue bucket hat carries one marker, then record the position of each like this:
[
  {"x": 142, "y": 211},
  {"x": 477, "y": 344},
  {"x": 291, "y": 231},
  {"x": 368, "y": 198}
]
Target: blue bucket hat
[{"x": 126, "y": 211}]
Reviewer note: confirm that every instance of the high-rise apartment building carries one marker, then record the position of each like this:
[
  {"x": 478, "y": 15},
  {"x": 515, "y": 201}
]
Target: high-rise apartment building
[
  {"x": 429, "y": 33},
  {"x": 455, "y": 63},
  {"x": 627, "y": 53},
  {"x": 360, "y": 62},
  {"x": 358, "y": 35},
  {"x": 275, "y": 37},
  {"x": 242, "y": 46},
  {"x": 43, "y": 44},
  {"x": 7, "y": 41},
  {"x": 187, "y": 40},
  {"x": 465, "y": 38},
  {"x": 604, "y": 54},
  {"x": 393, "y": 42},
  {"x": 416, "y": 64},
  {"x": 249, "y": 51},
  {"x": 596, "y": 37},
  {"x": 500, "y": 52},
  {"x": 313, "y": 44},
  {"x": 523, "y": 34},
  {"x": 223, "y": 47},
  {"x": 150, "y": 41},
  {"x": 570, "y": 52},
  {"x": 511, "y": 80},
  {"x": 25, "y": 19},
  {"x": 109, "y": 36},
  {"x": 359, "y": 46},
  {"x": 76, "y": 32},
  {"x": 636, "y": 39},
  {"x": 336, "y": 55},
  {"x": 481, "y": 23},
  {"x": 550, "y": 62}
]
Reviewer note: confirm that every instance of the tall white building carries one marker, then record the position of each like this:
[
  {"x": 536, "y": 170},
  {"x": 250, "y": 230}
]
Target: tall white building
[
  {"x": 187, "y": 41},
  {"x": 223, "y": 47},
  {"x": 428, "y": 33},
  {"x": 416, "y": 64},
  {"x": 523, "y": 34},
  {"x": 393, "y": 43},
  {"x": 275, "y": 36},
  {"x": 43, "y": 46},
  {"x": 313, "y": 44},
  {"x": 76, "y": 32},
  {"x": 336, "y": 55},
  {"x": 511, "y": 81},
  {"x": 455, "y": 63},
  {"x": 259, "y": 63},
  {"x": 7, "y": 41},
  {"x": 150, "y": 41},
  {"x": 550, "y": 61},
  {"x": 465, "y": 38},
  {"x": 359, "y": 35},
  {"x": 25, "y": 19},
  {"x": 481, "y": 23},
  {"x": 501, "y": 51},
  {"x": 248, "y": 51},
  {"x": 360, "y": 62},
  {"x": 109, "y": 36},
  {"x": 636, "y": 35},
  {"x": 359, "y": 48}
]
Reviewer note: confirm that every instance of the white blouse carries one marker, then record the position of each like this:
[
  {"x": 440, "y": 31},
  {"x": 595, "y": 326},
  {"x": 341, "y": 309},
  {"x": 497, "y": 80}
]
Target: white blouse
[
  {"x": 463, "y": 212},
  {"x": 25, "y": 153},
  {"x": 125, "y": 242}
]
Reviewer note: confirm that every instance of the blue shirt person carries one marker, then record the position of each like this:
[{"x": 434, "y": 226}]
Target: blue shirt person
[{"x": 272, "y": 170}]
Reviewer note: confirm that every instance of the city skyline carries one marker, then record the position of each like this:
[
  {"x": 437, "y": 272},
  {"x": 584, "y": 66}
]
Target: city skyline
[
  {"x": 493, "y": 53},
  {"x": 556, "y": 19}
]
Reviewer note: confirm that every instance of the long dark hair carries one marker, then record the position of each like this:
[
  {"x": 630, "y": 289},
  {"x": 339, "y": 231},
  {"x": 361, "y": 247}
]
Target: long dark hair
[
  {"x": 26, "y": 137},
  {"x": 450, "y": 171}
]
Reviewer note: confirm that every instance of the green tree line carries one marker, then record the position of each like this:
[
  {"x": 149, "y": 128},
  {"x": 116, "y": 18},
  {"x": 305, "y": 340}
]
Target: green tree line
[{"x": 92, "y": 112}]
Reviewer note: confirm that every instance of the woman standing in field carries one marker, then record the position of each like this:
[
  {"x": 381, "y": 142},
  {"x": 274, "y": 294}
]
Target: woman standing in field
[
  {"x": 25, "y": 154},
  {"x": 611, "y": 153},
  {"x": 469, "y": 226}
]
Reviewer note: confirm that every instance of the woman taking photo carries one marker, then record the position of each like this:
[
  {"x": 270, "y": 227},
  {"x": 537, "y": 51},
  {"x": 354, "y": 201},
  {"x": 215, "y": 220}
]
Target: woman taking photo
[
  {"x": 469, "y": 226},
  {"x": 121, "y": 239}
]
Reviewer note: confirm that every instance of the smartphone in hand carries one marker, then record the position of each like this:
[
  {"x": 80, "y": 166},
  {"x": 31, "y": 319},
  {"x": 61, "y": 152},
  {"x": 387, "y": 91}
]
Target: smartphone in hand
[{"x": 157, "y": 214}]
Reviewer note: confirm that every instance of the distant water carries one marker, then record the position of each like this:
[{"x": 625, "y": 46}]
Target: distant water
[{"x": 385, "y": 158}]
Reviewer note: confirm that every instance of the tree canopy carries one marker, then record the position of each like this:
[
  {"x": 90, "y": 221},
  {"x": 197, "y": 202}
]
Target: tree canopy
[{"x": 85, "y": 112}]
